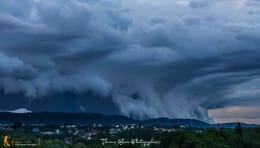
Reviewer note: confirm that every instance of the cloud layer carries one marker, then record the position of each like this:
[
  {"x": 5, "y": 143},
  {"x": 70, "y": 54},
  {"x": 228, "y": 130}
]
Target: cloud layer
[{"x": 170, "y": 58}]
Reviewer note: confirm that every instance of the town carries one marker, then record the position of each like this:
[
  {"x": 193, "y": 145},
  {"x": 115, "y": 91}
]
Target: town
[
  {"x": 116, "y": 135},
  {"x": 71, "y": 134}
]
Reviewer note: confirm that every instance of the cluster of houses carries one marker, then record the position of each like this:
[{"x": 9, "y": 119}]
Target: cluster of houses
[{"x": 87, "y": 132}]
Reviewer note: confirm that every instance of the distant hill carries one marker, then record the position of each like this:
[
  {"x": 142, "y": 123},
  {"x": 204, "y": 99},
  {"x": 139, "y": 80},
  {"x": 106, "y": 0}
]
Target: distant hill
[
  {"x": 233, "y": 125},
  {"x": 179, "y": 122},
  {"x": 17, "y": 111},
  {"x": 90, "y": 118},
  {"x": 62, "y": 118}
]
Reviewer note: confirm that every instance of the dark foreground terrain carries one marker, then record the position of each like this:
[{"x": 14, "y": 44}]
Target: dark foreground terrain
[{"x": 61, "y": 130}]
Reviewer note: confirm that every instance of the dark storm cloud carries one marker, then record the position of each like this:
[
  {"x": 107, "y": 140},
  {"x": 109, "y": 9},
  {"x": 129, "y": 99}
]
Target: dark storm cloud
[{"x": 161, "y": 58}]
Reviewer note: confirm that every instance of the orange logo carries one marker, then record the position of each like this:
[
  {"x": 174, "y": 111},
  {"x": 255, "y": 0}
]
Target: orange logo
[{"x": 6, "y": 141}]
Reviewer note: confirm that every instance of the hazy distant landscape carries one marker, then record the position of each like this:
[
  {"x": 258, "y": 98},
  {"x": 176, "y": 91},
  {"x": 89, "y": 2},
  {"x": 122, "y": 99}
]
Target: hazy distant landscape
[{"x": 88, "y": 118}]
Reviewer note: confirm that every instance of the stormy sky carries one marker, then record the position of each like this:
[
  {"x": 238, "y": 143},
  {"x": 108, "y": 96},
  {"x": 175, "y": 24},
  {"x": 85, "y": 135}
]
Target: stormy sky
[{"x": 139, "y": 58}]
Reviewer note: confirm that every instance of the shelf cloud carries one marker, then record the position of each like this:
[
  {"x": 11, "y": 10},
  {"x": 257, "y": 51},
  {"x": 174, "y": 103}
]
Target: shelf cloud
[{"x": 160, "y": 58}]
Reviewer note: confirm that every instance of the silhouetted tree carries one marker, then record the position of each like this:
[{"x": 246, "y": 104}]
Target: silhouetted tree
[
  {"x": 238, "y": 129},
  {"x": 238, "y": 141}
]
